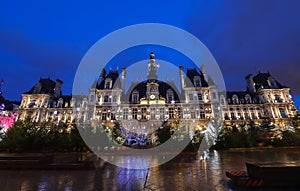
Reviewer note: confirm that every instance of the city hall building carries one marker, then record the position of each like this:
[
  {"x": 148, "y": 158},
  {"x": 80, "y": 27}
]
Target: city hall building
[{"x": 148, "y": 103}]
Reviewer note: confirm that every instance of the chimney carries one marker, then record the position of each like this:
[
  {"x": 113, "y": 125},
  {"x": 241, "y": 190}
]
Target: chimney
[
  {"x": 57, "y": 90},
  {"x": 102, "y": 74},
  {"x": 250, "y": 83},
  {"x": 123, "y": 80},
  {"x": 202, "y": 69},
  {"x": 181, "y": 76}
]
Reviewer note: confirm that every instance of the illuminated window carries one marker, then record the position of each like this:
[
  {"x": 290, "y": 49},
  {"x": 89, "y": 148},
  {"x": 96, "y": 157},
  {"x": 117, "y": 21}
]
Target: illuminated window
[
  {"x": 144, "y": 113},
  {"x": 162, "y": 113},
  {"x": 171, "y": 113},
  {"x": 125, "y": 114},
  {"x": 152, "y": 113},
  {"x": 134, "y": 113}
]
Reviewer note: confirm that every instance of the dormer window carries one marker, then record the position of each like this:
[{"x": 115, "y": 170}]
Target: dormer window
[
  {"x": 92, "y": 98},
  {"x": 197, "y": 81},
  {"x": 229, "y": 100},
  {"x": 248, "y": 99},
  {"x": 235, "y": 99},
  {"x": 73, "y": 101},
  {"x": 108, "y": 83},
  {"x": 170, "y": 95},
  {"x": 222, "y": 99},
  {"x": 135, "y": 96},
  {"x": 60, "y": 103},
  {"x": 214, "y": 95},
  {"x": 84, "y": 102}
]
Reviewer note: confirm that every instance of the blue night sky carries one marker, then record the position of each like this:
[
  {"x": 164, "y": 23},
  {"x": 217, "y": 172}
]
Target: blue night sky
[{"x": 49, "y": 38}]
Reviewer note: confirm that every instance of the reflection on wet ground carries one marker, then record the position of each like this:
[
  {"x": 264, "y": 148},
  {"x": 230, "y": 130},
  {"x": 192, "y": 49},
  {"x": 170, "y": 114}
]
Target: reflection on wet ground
[{"x": 186, "y": 172}]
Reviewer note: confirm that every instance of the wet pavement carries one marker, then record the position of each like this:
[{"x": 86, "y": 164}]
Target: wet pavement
[{"x": 186, "y": 172}]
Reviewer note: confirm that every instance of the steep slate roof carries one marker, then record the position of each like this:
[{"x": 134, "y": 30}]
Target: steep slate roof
[
  {"x": 114, "y": 76},
  {"x": 210, "y": 81},
  {"x": 95, "y": 84},
  {"x": 47, "y": 87},
  {"x": 261, "y": 81},
  {"x": 190, "y": 74},
  {"x": 142, "y": 88}
]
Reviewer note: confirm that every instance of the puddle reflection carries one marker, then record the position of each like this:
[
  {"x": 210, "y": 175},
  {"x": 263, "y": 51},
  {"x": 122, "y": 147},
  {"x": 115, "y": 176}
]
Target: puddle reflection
[{"x": 186, "y": 172}]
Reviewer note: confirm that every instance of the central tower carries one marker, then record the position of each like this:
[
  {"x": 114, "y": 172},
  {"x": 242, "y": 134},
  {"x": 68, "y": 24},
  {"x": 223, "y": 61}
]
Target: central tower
[{"x": 152, "y": 85}]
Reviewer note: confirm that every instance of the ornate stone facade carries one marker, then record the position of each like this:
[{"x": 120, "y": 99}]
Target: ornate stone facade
[{"x": 194, "y": 102}]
